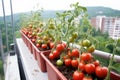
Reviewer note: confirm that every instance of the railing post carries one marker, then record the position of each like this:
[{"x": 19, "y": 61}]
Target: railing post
[
  {"x": 5, "y": 25},
  {"x": 1, "y": 47},
  {"x": 12, "y": 22}
]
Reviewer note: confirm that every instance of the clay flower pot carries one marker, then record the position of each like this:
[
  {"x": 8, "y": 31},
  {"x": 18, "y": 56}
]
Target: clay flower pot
[
  {"x": 27, "y": 41},
  {"x": 55, "y": 74},
  {"x": 40, "y": 60},
  {"x": 114, "y": 76},
  {"x": 24, "y": 37},
  {"x": 36, "y": 52}
]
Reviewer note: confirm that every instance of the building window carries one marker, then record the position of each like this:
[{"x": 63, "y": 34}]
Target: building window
[
  {"x": 115, "y": 35},
  {"x": 116, "y": 28}
]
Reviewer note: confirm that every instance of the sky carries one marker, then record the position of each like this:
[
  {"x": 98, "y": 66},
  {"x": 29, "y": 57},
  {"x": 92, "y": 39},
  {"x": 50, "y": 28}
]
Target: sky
[{"x": 28, "y": 5}]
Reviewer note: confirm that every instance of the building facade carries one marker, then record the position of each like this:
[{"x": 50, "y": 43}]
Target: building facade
[{"x": 107, "y": 24}]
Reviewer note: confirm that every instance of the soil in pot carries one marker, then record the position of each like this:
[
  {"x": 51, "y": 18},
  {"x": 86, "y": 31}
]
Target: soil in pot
[{"x": 67, "y": 71}]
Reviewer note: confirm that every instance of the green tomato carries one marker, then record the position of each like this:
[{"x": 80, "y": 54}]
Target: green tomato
[
  {"x": 71, "y": 39},
  {"x": 86, "y": 43},
  {"x": 59, "y": 62},
  {"x": 34, "y": 33},
  {"x": 91, "y": 48},
  {"x": 75, "y": 35},
  {"x": 39, "y": 41},
  {"x": 52, "y": 26},
  {"x": 39, "y": 34}
]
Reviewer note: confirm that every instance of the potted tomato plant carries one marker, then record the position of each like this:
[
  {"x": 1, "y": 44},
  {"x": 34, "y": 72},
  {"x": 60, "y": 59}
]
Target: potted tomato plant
[
  {"x": 35, "y": 37},
  {"x": 79, "y": 61},
  {"x": 61, "y": 58}
]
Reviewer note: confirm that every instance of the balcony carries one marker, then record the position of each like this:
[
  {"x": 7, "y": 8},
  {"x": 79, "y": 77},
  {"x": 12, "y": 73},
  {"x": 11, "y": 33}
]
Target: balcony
[{"x": 20, "y": 61}]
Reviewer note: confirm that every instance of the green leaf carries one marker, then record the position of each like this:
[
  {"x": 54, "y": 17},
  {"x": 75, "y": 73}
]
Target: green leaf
[{"x": 116, "y": 67}]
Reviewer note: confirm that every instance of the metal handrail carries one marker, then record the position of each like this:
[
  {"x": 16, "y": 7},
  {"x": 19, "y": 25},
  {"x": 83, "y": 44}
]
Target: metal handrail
[
  {"x": 106, "y": 55},
  {"x": 101, "y": 54}
]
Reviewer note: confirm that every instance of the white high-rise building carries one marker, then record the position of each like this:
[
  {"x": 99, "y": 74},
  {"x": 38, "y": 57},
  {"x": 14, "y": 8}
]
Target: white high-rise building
[
  {"x": 116, "y": 30},
  {"x": 107, "y": 24}
]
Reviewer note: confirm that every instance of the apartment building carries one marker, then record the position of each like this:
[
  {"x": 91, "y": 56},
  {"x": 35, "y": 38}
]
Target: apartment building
[{"x": 107, "y": 24}]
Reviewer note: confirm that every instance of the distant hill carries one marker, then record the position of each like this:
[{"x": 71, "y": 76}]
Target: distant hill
[{"x": 92, "y": 11}]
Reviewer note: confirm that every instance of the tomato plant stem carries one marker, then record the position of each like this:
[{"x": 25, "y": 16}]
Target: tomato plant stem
[{"x": 111, "y": 62}]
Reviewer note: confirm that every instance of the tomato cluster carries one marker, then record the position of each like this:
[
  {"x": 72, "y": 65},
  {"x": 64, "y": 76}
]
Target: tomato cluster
[
  {"x": 57, "y": 50},
  {"x": 87, "y": 68},
  {"x": 81, "y": 59},
  {"x": 42, "y": 42}
]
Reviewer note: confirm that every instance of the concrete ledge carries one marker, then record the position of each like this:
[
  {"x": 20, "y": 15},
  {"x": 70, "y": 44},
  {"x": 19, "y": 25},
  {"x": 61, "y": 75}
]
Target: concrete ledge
[
  {"x": 30, "y": 66},
  {"x": 12, "y": 70}
]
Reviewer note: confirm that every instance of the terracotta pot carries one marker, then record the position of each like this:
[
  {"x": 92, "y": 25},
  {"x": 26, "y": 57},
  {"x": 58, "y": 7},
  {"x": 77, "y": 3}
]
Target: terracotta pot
[
  {"x": 29, "y": 43},
  {"x": 40, "y": 60},
  {"x": 34, "y": 50},
  {"x": 24, "y": 37},
  {"x": 53, "y": 72},
  {"x": 36, "y": 53},
  {"x": 114, "y": 76}
]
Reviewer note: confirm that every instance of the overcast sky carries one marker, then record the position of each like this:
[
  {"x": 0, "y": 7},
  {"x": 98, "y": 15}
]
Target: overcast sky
[{"x": 28, "y": 5}]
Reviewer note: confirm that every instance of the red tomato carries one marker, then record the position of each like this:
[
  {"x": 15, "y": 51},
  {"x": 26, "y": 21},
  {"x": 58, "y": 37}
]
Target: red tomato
[
  {"x": 87, "y": 78},
  {"x": 30, "y": 33},
  {"x": 69, "y": 54},
  {"x": 51, "y": 56},
  {"x": 65, "y": 57},
  {"x": 56, "y": 53},
  {"x": 78, "y": 75},
  {"x": 26, "y": 32},
  {"x": 68, "y": 49},
  {"x": 29, "y": 36},
  {"x": 64, "y": 44},
  {"x": 37, "y": 45},
  {"x": 68, "y": 62},
  {"x": 81, "y": 66},
  {"x": 90, "y": 68},
  {"x": 34, "y": 37},
  {"x": 51, "y": 45},
  {"x": 101, "y": 71},
  {"x": 60, "y": 47},
  {"x": 44, "y": 46},
  {"x": 86, "y": 56},
  {"x": 75, "y": 52},
  {"x": 74, "y": 63},
  {"x": 96, "y": 63},
  {"x": 33, "y": 40}
]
